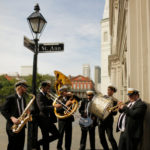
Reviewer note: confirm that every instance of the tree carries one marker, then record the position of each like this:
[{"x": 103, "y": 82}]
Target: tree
[{"x": 7, "y": 86}]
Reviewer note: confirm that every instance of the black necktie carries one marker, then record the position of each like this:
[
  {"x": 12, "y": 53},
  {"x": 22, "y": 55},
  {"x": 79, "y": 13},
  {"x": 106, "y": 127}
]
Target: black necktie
[{"x": 20, "y": 104}]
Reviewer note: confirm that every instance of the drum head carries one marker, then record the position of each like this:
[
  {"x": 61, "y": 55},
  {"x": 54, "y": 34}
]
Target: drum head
[{"x": 99, "y": 106}]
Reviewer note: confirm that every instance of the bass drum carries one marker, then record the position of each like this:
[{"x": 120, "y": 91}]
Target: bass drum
[{"x": 99, "y": 106}]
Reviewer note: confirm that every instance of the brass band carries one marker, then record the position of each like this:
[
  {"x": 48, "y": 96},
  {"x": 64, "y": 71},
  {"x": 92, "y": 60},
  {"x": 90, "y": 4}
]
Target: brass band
[{"x": 97, "y": 110}]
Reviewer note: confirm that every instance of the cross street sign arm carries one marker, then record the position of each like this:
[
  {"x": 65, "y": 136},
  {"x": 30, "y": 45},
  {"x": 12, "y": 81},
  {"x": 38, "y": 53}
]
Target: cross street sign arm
[{"x": 51, "y": 47}]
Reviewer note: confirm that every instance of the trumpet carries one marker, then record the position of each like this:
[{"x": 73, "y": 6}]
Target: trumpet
[
  {"x": 25, "y": 116},
  {"x": 116, "y": 108}
]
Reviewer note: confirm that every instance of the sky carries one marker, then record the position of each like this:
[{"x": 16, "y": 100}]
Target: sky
[{"x": 76, "y": 23}]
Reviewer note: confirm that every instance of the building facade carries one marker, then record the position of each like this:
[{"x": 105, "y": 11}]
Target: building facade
[
  {"x": 26, "y": 70},
  {"x": 97, "y": 77},
  {"x": 105, "y": 49},
  {"x": 80, "y": 85},
  {"x": 129, "y": 61},
  {"x": 86, "y": 70}
]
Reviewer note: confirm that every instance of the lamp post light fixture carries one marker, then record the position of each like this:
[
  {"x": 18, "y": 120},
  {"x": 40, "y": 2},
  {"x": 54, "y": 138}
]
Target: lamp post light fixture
[{"x": 36, "y": 23}]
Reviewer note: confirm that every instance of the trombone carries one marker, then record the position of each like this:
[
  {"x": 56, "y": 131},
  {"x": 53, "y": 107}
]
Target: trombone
[
  {"x": 55, "y": 98},
  {"x": 68, "y": 110}
]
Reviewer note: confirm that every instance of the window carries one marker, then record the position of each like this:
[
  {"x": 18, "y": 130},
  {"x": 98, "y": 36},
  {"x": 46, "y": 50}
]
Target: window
[
  {"x": 81, "y": 86},
  {"x": 85, "y": 86},
  {"x": 74, "y": 86},
  {"x": 105, "y": 36},
  {"x": 77, "y": 85},
  {"x": 89, "y": 87}
]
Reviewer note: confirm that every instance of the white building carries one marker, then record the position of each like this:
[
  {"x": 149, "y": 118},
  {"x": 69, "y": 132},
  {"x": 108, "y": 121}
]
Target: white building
[
  {"x": 86, "y": 70},
  {"x": 26, "y": 70},
  {"x": 105, "y": 48},
  {"x": 97, "y": 78},
  {"x": 129, "y": 62}
]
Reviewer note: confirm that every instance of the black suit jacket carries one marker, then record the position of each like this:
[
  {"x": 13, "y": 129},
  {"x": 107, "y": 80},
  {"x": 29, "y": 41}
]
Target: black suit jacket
[
  {"x": 134, "y": 119},
  {"x": 83, "y": 108},
  {"x": 110, "y": 118},
  {"x": 10, "y": 108},
  {"x": 45, "y": 107}
]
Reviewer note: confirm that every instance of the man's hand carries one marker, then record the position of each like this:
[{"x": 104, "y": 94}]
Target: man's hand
[
  {"x": 69, "y": 103},
  {"x": 121, "y": 105},
  {"x": 15, "y": 120},
  {"x": 93, "y": 118},
  {"x": 58, "y": 105},
  {"x": 85, "y": 115},
  {"x": 109, "y": 110},
  {"x": 28, "y": 112}
]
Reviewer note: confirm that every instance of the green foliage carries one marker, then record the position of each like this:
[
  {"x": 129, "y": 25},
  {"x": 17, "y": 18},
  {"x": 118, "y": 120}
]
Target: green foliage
[{"x": 7, "y": 87}]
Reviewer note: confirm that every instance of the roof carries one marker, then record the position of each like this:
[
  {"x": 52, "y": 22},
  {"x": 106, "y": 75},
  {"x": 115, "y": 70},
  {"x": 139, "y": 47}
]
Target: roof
[
  {"x": 8, "y": 77},
  {"x": 80, "y": 78}
]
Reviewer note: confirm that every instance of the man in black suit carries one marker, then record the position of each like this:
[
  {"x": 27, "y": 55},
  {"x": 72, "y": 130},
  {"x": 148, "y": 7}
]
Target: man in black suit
[
  {"x": 11, "y": 110},
  {"x": 107, "y": 124},
  {"x": 83, "y": 110},
  {"x": 130, "y": 122},
  {"x": 46, "y": 117},
  {"x": 65, "y": 125}
]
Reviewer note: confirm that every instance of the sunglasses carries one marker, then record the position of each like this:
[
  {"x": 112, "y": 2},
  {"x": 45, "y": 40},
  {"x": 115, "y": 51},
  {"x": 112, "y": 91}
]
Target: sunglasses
[{"x": 90, "y": 95}]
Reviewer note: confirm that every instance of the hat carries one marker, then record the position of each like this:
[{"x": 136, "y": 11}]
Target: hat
[
  {"x": 45, "y": 83},
  {"x": 90, "y": 92},
  {"x": 113, "y": 88},
  {"x": 132, "y": 91},
  {"x": 63, "y": 88},
  {"x": 21, "y": 83}
]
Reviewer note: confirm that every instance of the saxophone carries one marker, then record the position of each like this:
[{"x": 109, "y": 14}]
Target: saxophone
[{"x": 24, "y": 118}]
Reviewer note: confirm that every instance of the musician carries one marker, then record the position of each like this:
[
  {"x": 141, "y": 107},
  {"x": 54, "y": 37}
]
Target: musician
[
  {"x": 12, "y": 110},
  {"x": 65, "y": 125},
  {"x": 130, "y": 121},
  {"x": 106, "y": 126},
  {"x": 46, "y": 117},
  {"x": 83, "y": 110}
]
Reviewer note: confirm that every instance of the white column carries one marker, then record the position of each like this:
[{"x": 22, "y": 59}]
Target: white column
[
  {"x": 132, "y": 44},
  {"x": 113, "y": 75}
]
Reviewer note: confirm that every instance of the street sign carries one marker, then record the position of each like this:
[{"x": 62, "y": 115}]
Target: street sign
[
  {"x": 51, "y": 47},
  {"x": 29, "y": 44}
]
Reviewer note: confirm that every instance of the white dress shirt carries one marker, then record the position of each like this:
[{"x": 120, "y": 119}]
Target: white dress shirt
[
  {"x": 122, "y": 128},
  {"x": 22, "y": 104}
]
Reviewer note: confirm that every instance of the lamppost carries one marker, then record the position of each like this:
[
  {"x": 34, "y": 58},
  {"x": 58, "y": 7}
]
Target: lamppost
[{"x": 37, "y": 23}]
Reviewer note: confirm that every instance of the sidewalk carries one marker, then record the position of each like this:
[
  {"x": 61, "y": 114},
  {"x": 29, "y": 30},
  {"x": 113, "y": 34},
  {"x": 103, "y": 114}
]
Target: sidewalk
[{"x": 75, "y": 138}]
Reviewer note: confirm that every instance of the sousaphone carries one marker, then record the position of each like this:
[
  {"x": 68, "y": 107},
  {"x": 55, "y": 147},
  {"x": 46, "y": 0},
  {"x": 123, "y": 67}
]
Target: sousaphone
[{"x": 61, "y": 80}]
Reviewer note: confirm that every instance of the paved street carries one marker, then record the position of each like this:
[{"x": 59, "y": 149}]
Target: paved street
[{"x": 75, "y": 141}]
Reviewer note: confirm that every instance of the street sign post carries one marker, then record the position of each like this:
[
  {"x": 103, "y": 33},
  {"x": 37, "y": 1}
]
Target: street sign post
[
  {"x": 51, "y": 47},
  {"x": 43, "y": 47},
  {"x": 30, "y": 44}
]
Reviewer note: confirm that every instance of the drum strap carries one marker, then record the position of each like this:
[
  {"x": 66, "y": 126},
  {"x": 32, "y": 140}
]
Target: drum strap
[{"x": 87, "y": 109}]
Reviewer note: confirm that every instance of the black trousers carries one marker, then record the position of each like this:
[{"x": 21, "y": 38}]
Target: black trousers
[
  {"x": 65, "y": 126},
  {"x": 16, "y": 140},
  {"x": 108, "y": 128},
  {"x": 47, "y": 127},
  {"x": 128, "y": 143},
  {"x": 84, "y": 137}
]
